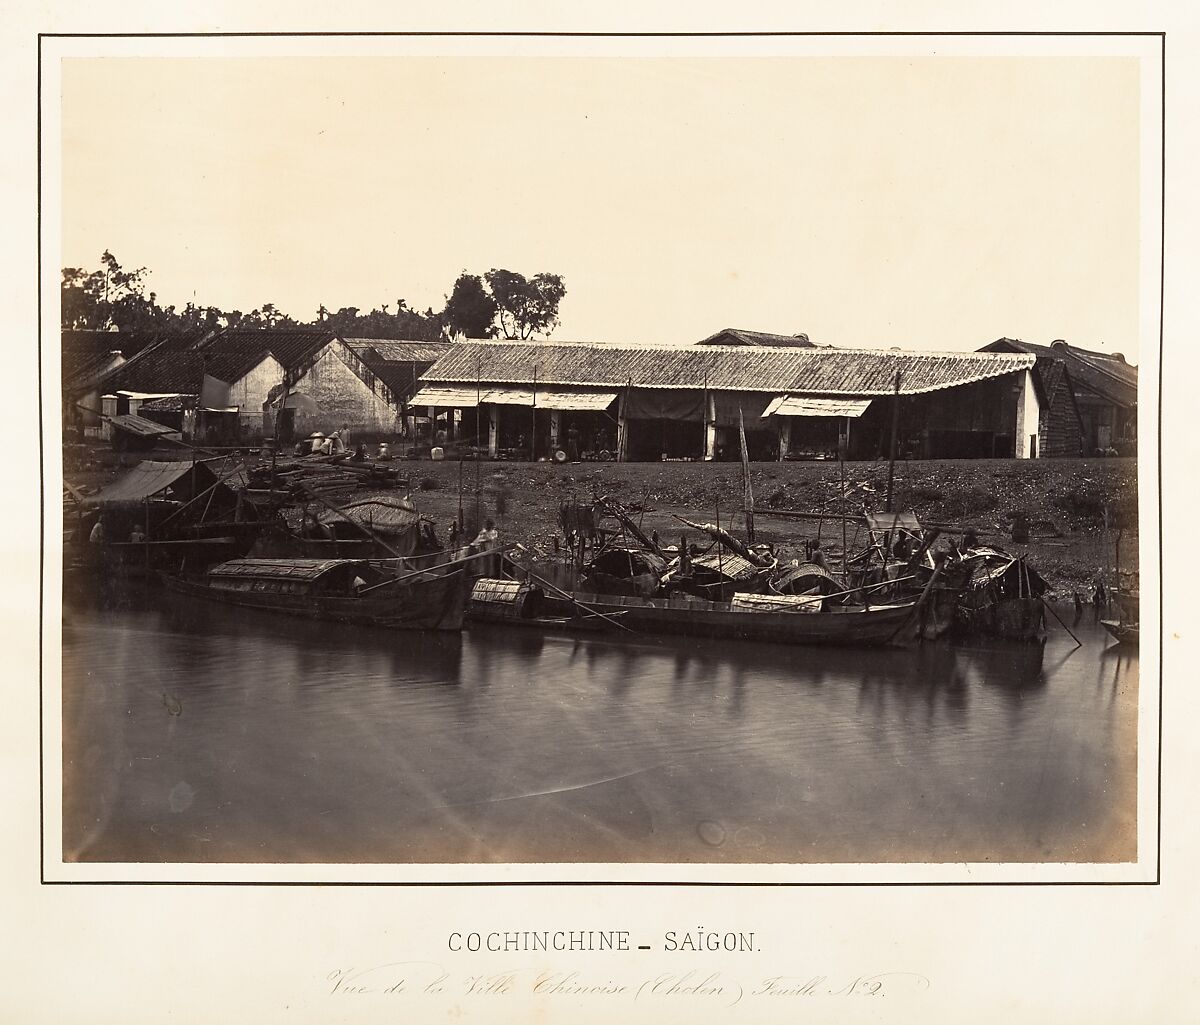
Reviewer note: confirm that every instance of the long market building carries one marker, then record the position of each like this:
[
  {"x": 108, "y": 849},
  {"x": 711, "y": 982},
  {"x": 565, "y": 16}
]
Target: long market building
[{"x": 656, "y": 402}]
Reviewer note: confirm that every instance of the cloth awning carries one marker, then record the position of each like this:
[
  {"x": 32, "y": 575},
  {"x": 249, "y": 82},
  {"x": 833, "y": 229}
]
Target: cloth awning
[
  {"x": 803, "y": 405},
  {"x": 508, "y": 395},
  {"x": 455, "y": 398},
  {"x": 146, "y": 479}
]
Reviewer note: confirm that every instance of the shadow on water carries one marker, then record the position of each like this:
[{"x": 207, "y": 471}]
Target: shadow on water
[{"x": 194, "y": 732}]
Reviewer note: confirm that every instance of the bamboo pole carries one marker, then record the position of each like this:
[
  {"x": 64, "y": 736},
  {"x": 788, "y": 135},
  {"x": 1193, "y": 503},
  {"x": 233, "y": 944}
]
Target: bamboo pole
[
  {"x": 1049, "y": 608},
  {"x": 895, "y": 429},
  {"x": 342, "y": 512}
]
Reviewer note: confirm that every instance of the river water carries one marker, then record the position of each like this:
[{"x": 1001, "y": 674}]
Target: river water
[{"x": 198, "y": 733}]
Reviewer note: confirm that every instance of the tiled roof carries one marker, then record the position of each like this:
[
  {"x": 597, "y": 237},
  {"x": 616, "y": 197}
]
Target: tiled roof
[
  {"x": 1101, "y": 372},
  {"x": 400, "y": 349},
  {"x": 398, "y": 363},
  {"x": 815, "y": 371},
  {"x": 170, "y": 365},
  {"x": 739, "y": 336},
  {"x": 232, "y": 354},
  {"x": 179, "y": 364},
  {"x": 81, "y": 348}
]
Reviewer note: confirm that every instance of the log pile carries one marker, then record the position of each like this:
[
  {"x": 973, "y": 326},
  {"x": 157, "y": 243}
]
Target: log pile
[{"x": 320, "y": 475}]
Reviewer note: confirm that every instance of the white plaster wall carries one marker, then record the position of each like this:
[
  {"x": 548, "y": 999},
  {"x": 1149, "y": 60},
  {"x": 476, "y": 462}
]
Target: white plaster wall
[
  {"x": 343, "y": 398},
  {"x": 1028, "y": 416}
]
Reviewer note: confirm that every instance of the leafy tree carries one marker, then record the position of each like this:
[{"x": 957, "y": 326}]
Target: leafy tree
[
  {"x": 470, "y": 310},
  {"x": 526, "y": 306}
]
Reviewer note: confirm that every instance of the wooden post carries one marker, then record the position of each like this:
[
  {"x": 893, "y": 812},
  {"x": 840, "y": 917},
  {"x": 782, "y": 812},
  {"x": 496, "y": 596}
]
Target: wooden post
[
  {"x": 842, "y": 505},
  {"x": 533, "y": 421},
  {"x": 747, "y": 487},
  {"x": 895, "y": 428},
  {"x": 146, "y": 539}
]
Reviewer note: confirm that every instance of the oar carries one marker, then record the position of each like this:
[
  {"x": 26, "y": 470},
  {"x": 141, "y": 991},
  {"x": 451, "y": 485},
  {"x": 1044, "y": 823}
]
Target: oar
[
  {"x": 554, "y": 589},
  {"x": 920, "y": 601},
  {"x": 1046, "y": 605},
  {"x": 430, "y": 569}
]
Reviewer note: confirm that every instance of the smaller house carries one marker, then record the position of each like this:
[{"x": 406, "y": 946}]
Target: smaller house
[
  {"x": 88, "y": 357},
  {"x": 359, "y": 384},
  {"x": 1103, "y": 387},
  {"x": 739, "y": 336}
]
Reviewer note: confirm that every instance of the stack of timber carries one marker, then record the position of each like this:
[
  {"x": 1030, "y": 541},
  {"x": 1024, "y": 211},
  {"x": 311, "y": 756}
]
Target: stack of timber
[{"x": 321, "y": 474}]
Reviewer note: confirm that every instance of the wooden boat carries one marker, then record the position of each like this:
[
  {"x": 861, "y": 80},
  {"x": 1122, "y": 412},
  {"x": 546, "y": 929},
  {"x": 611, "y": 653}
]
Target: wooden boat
[
  {"x": 395, "y": 593},
  {"x": 1002, "y": 596},
  {"x": 773, "y": 618},
  {"x": 1125, "y": 633}
]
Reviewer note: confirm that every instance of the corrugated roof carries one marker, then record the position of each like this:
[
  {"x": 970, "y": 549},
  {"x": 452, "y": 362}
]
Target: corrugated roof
[
  {"x": 858, "y": 372},
  {"x": 740, "y": 336}
]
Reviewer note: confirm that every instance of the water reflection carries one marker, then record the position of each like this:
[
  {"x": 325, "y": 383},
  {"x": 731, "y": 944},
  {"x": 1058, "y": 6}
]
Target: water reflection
[{"x": 198, "y": 733}]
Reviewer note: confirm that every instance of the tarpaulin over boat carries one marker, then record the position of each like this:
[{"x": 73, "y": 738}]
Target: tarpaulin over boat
[
  {"x": 990, "y": 567},
  {"x": 282, "y": 569},
  {"x": 382, "y": 515},
  {"x": 728, "y": 565},
  {"x": 807, "y": 576}
]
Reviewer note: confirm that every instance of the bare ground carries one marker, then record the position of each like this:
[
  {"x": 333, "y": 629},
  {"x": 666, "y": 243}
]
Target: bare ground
[{"x": 1063, "y": 501}]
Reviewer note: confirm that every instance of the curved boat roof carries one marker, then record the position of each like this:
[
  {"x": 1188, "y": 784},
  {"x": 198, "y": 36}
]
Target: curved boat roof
[{"x": 282, "y": 569}]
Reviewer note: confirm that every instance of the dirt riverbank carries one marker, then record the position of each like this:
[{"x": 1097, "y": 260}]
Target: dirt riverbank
[{"x": 1063, "y": 502}]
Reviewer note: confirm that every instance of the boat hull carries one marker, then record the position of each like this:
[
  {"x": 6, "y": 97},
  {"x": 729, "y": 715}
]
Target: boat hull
[
  {"x": 1018, "y": 619},
  {"x": 855, "y": 627},
  {"x": 436, "y": 603},
  {"x": 1124, "y": 633}
]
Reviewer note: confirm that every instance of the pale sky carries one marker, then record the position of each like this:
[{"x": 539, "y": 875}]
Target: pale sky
[{"x": 927, "y": 203}]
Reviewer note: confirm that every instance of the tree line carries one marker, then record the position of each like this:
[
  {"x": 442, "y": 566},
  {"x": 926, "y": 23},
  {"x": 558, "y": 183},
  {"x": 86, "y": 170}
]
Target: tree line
[{"x": 497, "y": 304}]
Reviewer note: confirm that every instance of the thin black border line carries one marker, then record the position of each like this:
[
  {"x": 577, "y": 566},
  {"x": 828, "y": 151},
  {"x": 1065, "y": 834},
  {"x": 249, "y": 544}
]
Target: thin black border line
[
  {"x": 561, "y": 35},
  {"x": 772, "y": 883},
  {"x": 42, "y": 500},
  {"x": 1162, "y": 292}
]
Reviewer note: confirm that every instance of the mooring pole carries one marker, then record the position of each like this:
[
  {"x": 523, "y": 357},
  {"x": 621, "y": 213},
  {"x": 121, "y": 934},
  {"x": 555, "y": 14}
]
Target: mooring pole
[{"x": 895, "y": 429}]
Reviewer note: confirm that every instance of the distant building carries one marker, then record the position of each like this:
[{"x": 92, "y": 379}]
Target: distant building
[
  {"x": 739, "y": 336},
  {"x": 240, "y": 385},
  {"x": 653, "y": 402},
  {"x": 1103, "y": 387}
]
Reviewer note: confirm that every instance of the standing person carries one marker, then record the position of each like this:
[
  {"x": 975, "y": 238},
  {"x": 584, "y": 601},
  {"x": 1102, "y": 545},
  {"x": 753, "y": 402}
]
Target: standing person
[
  {"x": 344, "y": 434},
  {"x": 486, "y": 541},
  {"x": 573, "y": 444}
]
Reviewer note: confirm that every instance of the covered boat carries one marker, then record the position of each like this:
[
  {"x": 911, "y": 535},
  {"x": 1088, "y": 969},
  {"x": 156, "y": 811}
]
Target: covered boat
[
  {"x": 775, "y": 618},
  {"x": 1002, "y": 596},
  {"x": 419, "y": 594}
]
